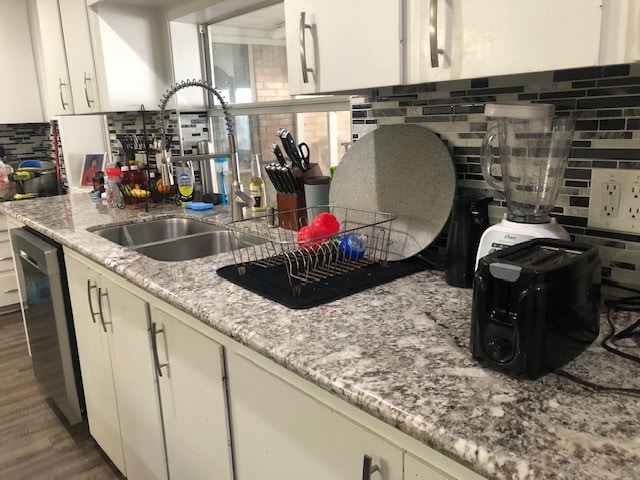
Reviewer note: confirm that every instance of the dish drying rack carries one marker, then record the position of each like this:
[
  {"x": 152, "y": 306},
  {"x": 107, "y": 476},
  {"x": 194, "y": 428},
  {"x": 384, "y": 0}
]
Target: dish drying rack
[{"x": 266, "y": 245}]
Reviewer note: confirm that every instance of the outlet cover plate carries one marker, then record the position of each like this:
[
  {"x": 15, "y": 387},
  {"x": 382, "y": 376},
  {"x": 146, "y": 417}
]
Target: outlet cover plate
[{"x": 614, "y": 200}]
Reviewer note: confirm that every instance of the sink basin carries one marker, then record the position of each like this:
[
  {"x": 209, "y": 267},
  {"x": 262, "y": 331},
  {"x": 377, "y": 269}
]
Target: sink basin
[
  {"x": 136, "y": 234},
  {"x": 175, "y": 239},
  {"x": 196, "y": 246}
]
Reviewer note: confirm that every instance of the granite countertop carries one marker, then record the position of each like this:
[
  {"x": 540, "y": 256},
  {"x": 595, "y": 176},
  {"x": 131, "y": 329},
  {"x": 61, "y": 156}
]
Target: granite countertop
[{"x": 397, "y": 351}]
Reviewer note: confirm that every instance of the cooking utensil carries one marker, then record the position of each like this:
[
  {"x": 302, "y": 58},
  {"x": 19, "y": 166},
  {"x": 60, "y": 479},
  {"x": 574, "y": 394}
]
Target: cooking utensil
[
  {"x": 304, "y": 156},
  {"x": 290, "y": 146},
  {"x": 291, "y": 180},
  {"x": 401, "y": 169},
  {"x": 286, "y": 145},
  {"x": 278, "y": 153},
  {"x": 274, "y": 176}
]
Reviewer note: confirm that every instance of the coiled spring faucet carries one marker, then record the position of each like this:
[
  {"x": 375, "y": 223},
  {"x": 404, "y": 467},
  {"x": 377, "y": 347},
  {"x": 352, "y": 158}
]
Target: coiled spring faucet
[{"x": 166, "y": 161}]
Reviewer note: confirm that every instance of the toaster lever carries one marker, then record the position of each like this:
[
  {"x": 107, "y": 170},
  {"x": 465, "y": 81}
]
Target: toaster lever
[{"x": 505, "y": 271}]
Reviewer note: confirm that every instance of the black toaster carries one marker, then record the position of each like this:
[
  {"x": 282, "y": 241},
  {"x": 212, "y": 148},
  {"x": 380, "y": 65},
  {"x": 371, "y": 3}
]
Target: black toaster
[{"x": 535, "y": 305}]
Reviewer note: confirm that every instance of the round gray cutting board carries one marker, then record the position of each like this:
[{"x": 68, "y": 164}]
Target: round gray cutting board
[{"x": 401, "y": 169}]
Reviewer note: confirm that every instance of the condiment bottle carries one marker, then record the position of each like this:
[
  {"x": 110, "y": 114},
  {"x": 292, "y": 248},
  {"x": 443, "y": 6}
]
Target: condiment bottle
[
  {"x": 256, "y": 185},
  {"x": 114, "y": 175}
]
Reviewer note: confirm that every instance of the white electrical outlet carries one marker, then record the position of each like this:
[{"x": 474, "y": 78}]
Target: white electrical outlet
[
  {"x": 610, "y": 199},
  {"x": 614, "y": 200}
]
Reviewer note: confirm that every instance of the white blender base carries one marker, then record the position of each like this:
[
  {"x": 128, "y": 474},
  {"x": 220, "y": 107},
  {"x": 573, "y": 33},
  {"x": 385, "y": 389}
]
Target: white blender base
[{"x": 507, "y": 233}]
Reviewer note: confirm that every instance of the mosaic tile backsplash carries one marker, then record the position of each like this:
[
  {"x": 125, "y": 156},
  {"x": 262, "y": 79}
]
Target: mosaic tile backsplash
[{"x": 606, "y": 104}]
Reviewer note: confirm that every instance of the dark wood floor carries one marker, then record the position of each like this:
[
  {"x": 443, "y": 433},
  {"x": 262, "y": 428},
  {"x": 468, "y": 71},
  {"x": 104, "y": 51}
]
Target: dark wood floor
[{"x": 36, "y": 442}]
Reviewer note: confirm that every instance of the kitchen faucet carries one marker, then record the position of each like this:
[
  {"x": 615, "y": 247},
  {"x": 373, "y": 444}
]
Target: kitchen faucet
[{"x": 165, "y": 160}]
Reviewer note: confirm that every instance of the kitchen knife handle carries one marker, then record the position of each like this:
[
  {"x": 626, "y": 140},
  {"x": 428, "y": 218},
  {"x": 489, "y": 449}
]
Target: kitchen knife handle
[
  {"x": 60, "y": 85},
  {"x": 278, "y": 153},
  {"x": 303, "y": 49},
  {"x": 87, "y": 78},
  {"x": 433, "y": 33}
]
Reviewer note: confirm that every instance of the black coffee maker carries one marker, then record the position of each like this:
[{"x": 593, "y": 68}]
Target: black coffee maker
[{"x": 469, "y": 219}]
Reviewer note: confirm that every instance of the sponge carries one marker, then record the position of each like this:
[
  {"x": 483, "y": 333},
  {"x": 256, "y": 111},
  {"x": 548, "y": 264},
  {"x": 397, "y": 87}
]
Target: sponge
[{"x": 198, "y": 206}]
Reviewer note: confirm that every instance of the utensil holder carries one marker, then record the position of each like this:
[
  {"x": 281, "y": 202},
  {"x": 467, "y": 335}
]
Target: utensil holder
[{"x": 291, "y": 208}]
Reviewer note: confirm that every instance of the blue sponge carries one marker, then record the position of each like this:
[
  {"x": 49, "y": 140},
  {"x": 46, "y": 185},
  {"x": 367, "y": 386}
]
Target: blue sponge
[{"x": 199, "y": 206}]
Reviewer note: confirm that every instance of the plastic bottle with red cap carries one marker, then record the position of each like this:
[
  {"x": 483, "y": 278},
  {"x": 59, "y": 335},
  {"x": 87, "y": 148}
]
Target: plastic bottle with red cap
[{"x": 114, "y": 177}]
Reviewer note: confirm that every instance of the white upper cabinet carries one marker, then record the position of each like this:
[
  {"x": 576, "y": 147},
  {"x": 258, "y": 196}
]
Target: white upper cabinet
[
  {"x": 132, "y": 55},
  {"x": 453, "y": 39},
  {"x": 68, "y": 74},
  {"x": 335, "y": 45},
  {"x": 77, "y": 40},
  {"x": 20, "y": 97},
  {"x": 109, "y": 57}
]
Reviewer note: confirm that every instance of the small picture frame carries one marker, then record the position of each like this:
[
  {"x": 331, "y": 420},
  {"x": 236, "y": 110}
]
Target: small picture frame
[{"x": 93, "y": 162}]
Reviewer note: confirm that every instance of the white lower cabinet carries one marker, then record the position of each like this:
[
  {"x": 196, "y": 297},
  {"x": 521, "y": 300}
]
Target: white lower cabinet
[
  {"x": 415, "y": 469},
  {"x": 190, "y": 374},
  {"x": 112, "y": 331},
  {"x": 9, "y": 296},
  {"x": 280, "y": 433},
  {"x": 169, "y": 397}
]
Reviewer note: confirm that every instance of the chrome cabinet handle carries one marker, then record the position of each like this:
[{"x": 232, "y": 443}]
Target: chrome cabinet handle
[
  {"x": 87, "y": 78},
  {"x": 433, "y": 33},
  {"x": 154, "y": 346},
  {"x": 13, "y": 290},
  {"x": 367, "y": 468},
  {"x": 60, "y": 85},
  {"x": 2, "y": 259},
  {"x": 303, "y": 48},
  {"x": 89, "y": 288},
  {"x": 100, "y": 295}
]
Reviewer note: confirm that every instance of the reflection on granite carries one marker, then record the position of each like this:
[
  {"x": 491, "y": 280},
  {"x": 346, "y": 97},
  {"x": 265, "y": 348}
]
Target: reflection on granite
[{"x": 398, "y": 351}]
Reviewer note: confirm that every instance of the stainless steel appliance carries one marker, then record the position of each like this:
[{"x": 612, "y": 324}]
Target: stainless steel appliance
[
  {"x": 535, "y": 305},
  {"x": 47, "y": 312}
]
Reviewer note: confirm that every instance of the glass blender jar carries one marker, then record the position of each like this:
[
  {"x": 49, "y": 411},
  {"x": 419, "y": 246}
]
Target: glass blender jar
[{"x": 533, "y": 148}]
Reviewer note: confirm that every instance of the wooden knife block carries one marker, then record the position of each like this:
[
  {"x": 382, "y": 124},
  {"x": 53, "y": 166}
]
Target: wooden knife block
[{"x": 291, "y": 208}]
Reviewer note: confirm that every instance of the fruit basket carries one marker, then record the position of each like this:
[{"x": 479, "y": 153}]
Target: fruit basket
[
  {"x": 315, "y": 256},
  {"x": 157, "y": 192},
  {"x": 132, "y": 195}
]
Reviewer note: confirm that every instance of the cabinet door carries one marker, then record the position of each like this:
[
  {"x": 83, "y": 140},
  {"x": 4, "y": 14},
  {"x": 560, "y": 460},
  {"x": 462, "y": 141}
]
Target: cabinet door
[
  {"x": 132, "y": 55},
  {"x": 193, "y": 399},
  {"x": 281, "y": 433},
  {"x": 415, "y": 469},
  {"x": 494, "y": 37},
  {"x": 128, "y": 323},
  {"x": 349, "y": 45},
  {"x": 77, "y": 40},
  {"x": 56, "y": 75},
  {"x": 20, "y": 97},
  {"x": 95, "y": 361}
]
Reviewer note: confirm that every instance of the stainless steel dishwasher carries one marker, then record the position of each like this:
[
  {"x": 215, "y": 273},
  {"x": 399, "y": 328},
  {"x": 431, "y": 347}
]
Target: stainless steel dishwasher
[{"x": 48, "y": 318}]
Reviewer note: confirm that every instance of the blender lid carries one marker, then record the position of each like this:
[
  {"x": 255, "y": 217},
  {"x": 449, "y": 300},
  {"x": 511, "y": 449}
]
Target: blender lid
[{"x": 521, "y": 111}]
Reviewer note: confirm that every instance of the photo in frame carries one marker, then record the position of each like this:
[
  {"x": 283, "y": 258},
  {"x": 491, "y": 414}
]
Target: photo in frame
[{"x": 93, "y": 163}]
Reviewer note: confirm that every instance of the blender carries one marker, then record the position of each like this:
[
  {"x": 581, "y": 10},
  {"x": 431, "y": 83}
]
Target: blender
[{"x": 533, "y": 148}]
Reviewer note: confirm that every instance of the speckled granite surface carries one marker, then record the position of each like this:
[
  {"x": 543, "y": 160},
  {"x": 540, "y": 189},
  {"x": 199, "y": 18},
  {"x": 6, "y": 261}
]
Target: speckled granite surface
[{"x": 398, "y": 351}]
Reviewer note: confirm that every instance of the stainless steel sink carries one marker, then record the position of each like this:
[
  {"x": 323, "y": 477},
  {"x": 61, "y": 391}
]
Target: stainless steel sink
[
  {"x": 175, "y": 239},
  {"x": 136, "y": 234},
  {"x": 196, "y": 246}
]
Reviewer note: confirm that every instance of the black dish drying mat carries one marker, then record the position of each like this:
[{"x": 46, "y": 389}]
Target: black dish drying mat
[{"x": 273, "y": 283}]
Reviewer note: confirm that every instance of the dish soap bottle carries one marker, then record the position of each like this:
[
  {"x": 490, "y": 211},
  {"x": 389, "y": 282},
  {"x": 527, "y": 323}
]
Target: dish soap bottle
[
  {"x": 185, "y": 184},
  {"x": 256, "y": 185}
]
